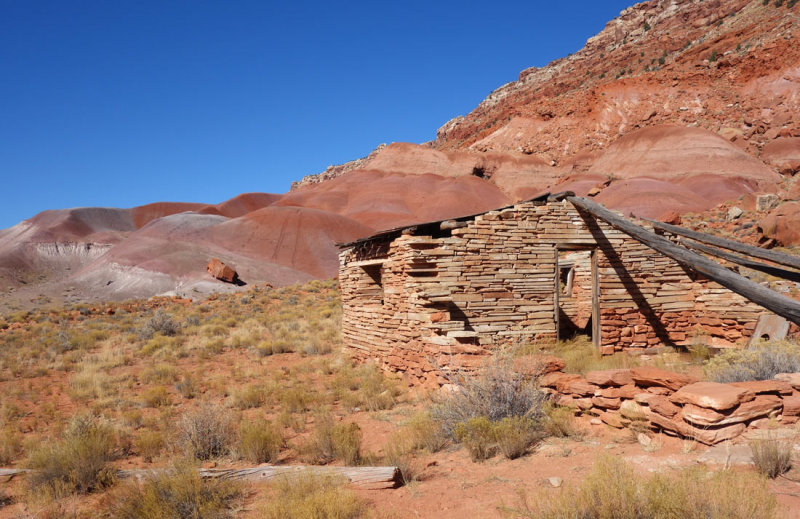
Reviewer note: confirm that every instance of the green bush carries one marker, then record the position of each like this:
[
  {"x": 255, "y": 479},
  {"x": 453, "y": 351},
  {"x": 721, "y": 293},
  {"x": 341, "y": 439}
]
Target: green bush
[
  {"x": 179, "y": 493},
  {"x": 79, "y": 462},
  {"x": 762, "y": 361}
]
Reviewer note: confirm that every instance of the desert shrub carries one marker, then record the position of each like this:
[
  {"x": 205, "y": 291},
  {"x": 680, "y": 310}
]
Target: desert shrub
[
  {"x": 559, "y": 422},
  {"x": 333, "y": 441},
  {"x": 398, "y": 452},
  {"x": 187, "y": 387},
  {"x": 296, "y": 400},
  {"x": 322, "y": 497},
  {"x": 772, "y": 457},
  {"x": 260, "y": 441},
  {"x": 206, "y": 432},
  {"x": 477, "y": 435},
  {"x": 250, "y": 397},
  {"x": 149, "y": 444},
  {"x": 79, "y": 462},
  {"x": 179, "y": 493},
  {"x": 156, "y": 396},
  {"x": 365, "y": 387},
  {"x": 347, "y": 442},
  {"x": 160, "y": 322},
  {"x": 514, "y": 435},
  {"x": 497, "y": 392},
  {"x": 10, "y": 446},
  {"x": 762, "y": 361},
  {"x": 425, "y": 433},
  {"x": 614, "y": 490},
  {"x": 267, "y": 348},
  {"x": 159, "y": 374}
]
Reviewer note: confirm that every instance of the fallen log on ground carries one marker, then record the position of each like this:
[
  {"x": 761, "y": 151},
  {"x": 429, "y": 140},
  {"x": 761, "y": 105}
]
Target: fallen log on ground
[{"x": 364, "y": 477}]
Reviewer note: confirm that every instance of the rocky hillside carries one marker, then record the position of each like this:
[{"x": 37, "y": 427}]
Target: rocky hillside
[{"x": 677, "y": 108}]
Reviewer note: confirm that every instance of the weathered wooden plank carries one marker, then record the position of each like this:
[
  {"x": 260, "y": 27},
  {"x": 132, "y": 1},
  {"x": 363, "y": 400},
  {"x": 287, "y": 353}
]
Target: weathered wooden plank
[
  {"x": 365, "y": 477},
  {"x": 761, "y": 295},
  {"x": 778, "y": 257}
]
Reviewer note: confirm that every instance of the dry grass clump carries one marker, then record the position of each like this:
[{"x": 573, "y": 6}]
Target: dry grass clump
[
  {"x": 477, "y": 435},
  {"x": 249, "y": 397},
  {"x": 332, "y": 441},
  {"x": 309, "y": 496},
  {"x": 206, "y": 432},
  {"x": 559, "y": 422},
  {"x": 260, "y": 441},
  {"x": 10, "y": 446},
  {"x": 614, "y": 490},
  {"x": 156, "y": 396},
  {"x": 512, "y": 436},
  {"x": 179, "y": 493},
  {"x": 79, "y": 462},
  {"x": 425, "y": 433},
  {"x": 580, "y": 355},
  {"x": 772, "y": 457},
  {"x": 762, "y": 361},
  {"x": 149, "y": 444},
  {"x": 365, "y": 387}
]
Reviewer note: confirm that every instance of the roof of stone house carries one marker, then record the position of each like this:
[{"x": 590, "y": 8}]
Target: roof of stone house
[{"x": 430, "y": 226}]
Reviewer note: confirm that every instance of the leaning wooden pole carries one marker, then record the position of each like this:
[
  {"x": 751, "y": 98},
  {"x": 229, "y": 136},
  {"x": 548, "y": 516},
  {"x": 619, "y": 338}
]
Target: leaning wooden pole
[
  {"x": 778, "y": 272},
  {"x": 757, "y": 252},
  {"x": 761, "y": 295}
]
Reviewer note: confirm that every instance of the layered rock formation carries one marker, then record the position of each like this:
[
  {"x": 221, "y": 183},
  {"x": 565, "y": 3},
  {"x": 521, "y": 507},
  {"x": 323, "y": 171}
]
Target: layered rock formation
[{"x": 675, "y": 107}]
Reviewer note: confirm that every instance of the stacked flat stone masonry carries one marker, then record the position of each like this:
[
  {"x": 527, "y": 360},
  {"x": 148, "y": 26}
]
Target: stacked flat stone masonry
[
  {"x": 426, "y": 303},
  {"x": 708, "y": 412}
]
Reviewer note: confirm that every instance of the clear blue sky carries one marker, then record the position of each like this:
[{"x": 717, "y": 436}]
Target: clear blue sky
[{"x": 121, "y": 103}]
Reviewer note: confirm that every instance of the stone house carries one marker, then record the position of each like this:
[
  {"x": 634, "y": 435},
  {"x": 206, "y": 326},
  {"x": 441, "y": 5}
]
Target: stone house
[{"x": 442, "y": 295}]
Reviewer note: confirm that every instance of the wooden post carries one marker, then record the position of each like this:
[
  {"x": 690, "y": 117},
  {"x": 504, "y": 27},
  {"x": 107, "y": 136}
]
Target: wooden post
[{"x": 761, "y": 295}]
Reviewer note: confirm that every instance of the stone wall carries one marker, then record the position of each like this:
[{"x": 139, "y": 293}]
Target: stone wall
[
  {"x": 446, "y": 299},
  {"x": 677, "y": 404}
]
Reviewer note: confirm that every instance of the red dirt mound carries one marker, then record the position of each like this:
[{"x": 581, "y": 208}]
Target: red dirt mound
[
  {"x": 382, "y": 200},
  {"x": 673, "y": 153},
  {"x": 299, "y": 238},
  {"x": 144, "y": 214},
  {"x": 242, "y": 204},
  {"x": 79, "y": 224}
]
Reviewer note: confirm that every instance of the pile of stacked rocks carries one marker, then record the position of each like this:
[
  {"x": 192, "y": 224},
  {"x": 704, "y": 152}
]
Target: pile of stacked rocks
[{"x": 678, "y": 404}]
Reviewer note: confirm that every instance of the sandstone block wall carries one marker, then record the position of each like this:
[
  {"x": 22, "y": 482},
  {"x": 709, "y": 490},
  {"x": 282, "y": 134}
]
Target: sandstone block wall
[{"x": 424, "y": 303}]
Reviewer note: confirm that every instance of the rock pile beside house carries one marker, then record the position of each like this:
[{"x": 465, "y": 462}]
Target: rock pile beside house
[{"x": 677, "y": 404}]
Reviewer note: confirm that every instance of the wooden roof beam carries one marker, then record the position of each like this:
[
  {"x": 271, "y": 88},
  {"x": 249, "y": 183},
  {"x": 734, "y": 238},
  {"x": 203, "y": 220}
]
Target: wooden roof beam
[{"x": 781, "y": 305}]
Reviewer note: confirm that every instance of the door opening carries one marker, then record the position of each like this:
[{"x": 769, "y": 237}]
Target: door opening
[{"x": 576, "y": 294}]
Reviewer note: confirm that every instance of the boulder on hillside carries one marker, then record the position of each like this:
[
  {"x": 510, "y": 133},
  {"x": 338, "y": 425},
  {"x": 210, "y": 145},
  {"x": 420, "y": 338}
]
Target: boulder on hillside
[
  {"x": 222, "y": 271},
  {"x": 781, "y": 224},
  {"x": 784, "y": 154}
]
